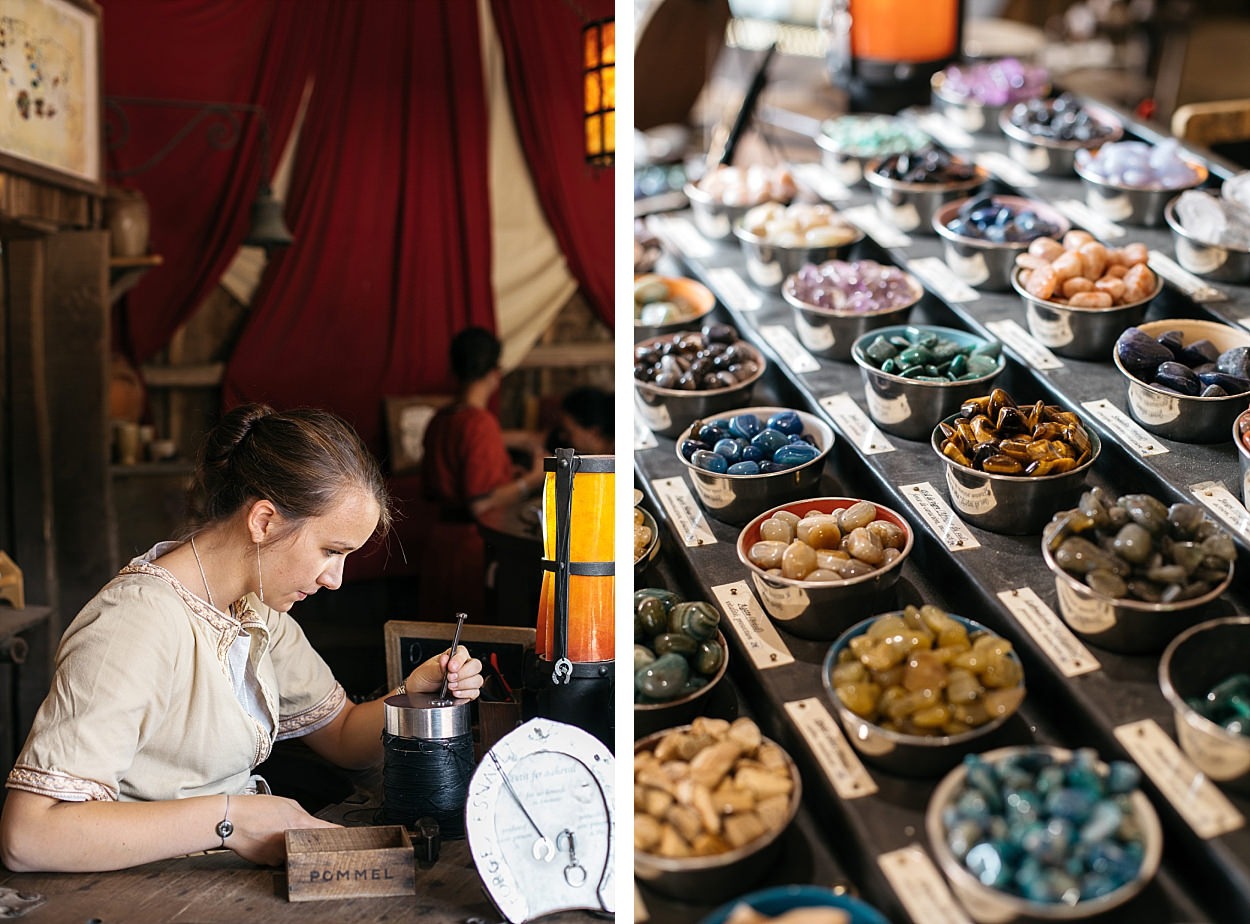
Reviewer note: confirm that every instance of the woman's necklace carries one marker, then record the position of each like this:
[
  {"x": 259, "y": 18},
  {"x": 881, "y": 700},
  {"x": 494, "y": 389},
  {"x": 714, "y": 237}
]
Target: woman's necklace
[{"x": 196, "y": 553}]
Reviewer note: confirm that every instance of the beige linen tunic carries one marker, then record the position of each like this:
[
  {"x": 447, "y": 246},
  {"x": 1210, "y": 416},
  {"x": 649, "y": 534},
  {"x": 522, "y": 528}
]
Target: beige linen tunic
[{"x": 142, "y": 707}]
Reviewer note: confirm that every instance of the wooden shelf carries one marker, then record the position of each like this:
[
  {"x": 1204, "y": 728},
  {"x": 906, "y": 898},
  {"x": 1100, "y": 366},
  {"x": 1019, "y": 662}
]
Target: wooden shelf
[{"x": 125, "y": 272}]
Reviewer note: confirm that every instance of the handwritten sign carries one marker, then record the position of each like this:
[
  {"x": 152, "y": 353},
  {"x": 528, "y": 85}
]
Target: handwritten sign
[
  {"x": 832, "y": 751},
  {"x": 920, "y": 887},
  {"x": 869, "y": 220},
  {"x": 1123, "y": 426},
  {"x": 932, "y": 507},
  {"x": 781, "y": 339},
  {"x": 683, "y": 512},
  {"x": 938, "y": 276},
  {"x": 1018, "y": 340},
  {"x": 1197, "y": 289},
  {"x": 855, "y": 425},
  {"x": 1041, "y": 622},
  {"x": 750, "y": 623},
  {"x": 732, "y": 289},
  {"x": 1221, "y": 502}
]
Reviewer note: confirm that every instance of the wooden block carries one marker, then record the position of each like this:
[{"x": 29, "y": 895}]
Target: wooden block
[
  {"x": 11, "y": 587},
  {"x": 363, "y": 862}
]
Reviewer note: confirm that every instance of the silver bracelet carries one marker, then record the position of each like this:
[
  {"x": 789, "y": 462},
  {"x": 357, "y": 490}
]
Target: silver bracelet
[{"x": 225, "y": 827}]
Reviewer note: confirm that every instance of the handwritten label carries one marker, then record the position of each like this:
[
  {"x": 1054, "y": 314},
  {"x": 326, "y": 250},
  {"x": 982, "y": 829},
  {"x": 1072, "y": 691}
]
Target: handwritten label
[
  {"x": 1030, "y": 352},
  {"x": 832, "y": 751},
  {"x": 933, "y": 508},
  {"x": 970, "y": 267},
  {"x": 821, "y": 181},
  {"x": 732, "y": 289},
  {"x": 1152, "y": 407},
  {"x": 1084, "y": 610},
  {"x": 1047, "y": 629},
  {"x": 887, "y": 409},
  {"x": 1006, "y": 169},
  {"x": 869, "y": 220},
  {"x": 1048, "y": 327},
  {"x": 680, "y": 235},
  {"x": 903, "y": 215},
  {"x": 1192, "y": 794},
  {"x": 969, "y": 499},
  {"x": 1079, "y": 213},
  {"x": 683, "y": 512},
  {"x": 1224, "y": 504},
  {"x": 818, "y": 336},
  {"x": 920, "y": 887},
  {"x": 1122, "y": 426},
  {"x": 751, "y": 624},
  {"x": 855, "y": 425},
  {"x": 941, "y": 280},
  {"x": 951, "y": 135},
  {"x": 1187, "y": 282},
  {"x": 654, "y": 416},
  {"x": 790, "y": 350},
  {"x": 643, "y": 438}
]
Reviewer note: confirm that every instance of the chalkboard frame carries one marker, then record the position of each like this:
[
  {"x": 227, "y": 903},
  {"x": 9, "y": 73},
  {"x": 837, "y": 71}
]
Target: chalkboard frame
[{"x": 512, "y": 643}]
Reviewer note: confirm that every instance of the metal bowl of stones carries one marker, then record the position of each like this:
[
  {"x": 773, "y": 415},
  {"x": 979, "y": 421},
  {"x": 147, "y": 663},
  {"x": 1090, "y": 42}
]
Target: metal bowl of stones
[
  {"x": 1204, "y": 677},
  {"x": 646, "y": 540},
  {"x": 1132, "y": 572},
  {"x": 683, "y": 377},
  {"x": 836, "y": 302},
  {"x": 848, "y": 142},
  {"x": 908, "y": 189},
  {"x": 1009, "y": 467},
  {"x": 1043, "y": 872},
  {"x": 675, "y": 672},
  {"x": 974, "y": 95},
  {"x": 754, "y": 458},
  {"x": 982, "y": 235},
  {"x": 1208, "y": 242},
  {"x": 778, "y": 240},
  {"x": 665, "y": 304},
  {"x": 1043, "y": 135},
  {"x": 721, "y": 197},
  {"x": 774, "y": 903},
  {"x": 820, "y": 565},
  {"x": 710, "y": 849},
  {"x": 1131, "y": 182},
  {"x": 1076, "y": 330},
  {"x": 917, "y": 689},
  {"x": 915, "y": 375},
  {"x": 1241, "y": 438},
  {"x": 1187, "y": 380}
]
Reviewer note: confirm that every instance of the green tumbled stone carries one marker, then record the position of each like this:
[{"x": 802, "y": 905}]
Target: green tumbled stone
[
  {"x": 880, "y": 350},
  {"x": 981, "y": 365},
  {"x": 652, "y": 617},
  {"x": 698, "y": 619},
  {"x": 943, "y": 350},
  {"x": 916, "y": 355},
  {"x": 678, "y": 642},
  {"x": 710, "y": 657},
  {"x": 958, "y": 366},
  {"x": 993, "y": 350},
  {"x": 890, "y": 367},
  {"x": 664, "y": 678},
  {"x": 642, "y": 657}
]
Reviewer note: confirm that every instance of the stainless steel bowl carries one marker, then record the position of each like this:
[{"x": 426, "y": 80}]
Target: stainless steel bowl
[
  {"x": 830, "y": 334},
  {"x": 1210, "y": 261},
  {"x": 1080, "y": 333},
  {"x": 714, "y": 219},
  {"x": 1128, "y": 205},
  {"x": 968, "y": 114},
  {"x": 769, "y": 264},
  {"x": 736, "y": 498},
  {"x": 719, "y": 876},
  {"x": 650, "y": 718},
  {"x": 1241, "y": 439},
  {"x": 1017, "y": 505},
  {"x": 823, "y": 609},
  {"x": 910, "y": 206},
  {"x": 1130, "y": 626},
  {"x": 905, "y": 755},
  {"x": 847, "y": 164},
  {"x": 694, "y": 293},
  {"x": 1181, "y": 417},
  {"x": 988, "y": 905},
  {"x": 1048, "y": 156},
  {"x": 1195, "y": 661},
  {"x": 643, "y": 560},
  {"x": 669, "y": 411},
  {"x": 906, "y": 407},
  {"x": 983, "y": 264}
]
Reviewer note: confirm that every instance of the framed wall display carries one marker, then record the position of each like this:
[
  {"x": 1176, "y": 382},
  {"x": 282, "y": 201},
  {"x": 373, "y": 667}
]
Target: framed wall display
[
  {"x": 406, "y": 420},
  {"x": 50, "y": 67},
  {"x": 501, "y": 649}
]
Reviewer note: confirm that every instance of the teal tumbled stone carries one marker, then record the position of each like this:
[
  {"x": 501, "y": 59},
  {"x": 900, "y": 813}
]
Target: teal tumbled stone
[
  {"x": 697, "y": 618},
  {"x": 979, "y": 365},
  {"x": 880, "y": 350},
  {"x": 678, "y": 642},
  {"x": 664, "y": 678},
  {"x": 642, "y": 657},
  {"x": 709, "y": 658}
]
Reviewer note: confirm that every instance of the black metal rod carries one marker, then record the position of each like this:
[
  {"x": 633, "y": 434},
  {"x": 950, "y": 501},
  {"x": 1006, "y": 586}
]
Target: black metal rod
[
  {"x": 455, "y": 641},
  {"x": 747, "y": 109}
]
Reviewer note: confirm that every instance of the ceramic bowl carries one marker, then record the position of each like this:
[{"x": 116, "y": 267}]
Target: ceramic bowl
[
  {"x": 696, "y": 296},
  {"x": 895, "y": 752},
  {"x": 650, "y": 718},
  {"x": 1193, "y": 663},
  {"x": 823, "y": 609},
  {"x": 1049, "y": 156},
  {"x": 1181, "y": 417},
  {"x": 716, "y": 877},
  {"x": 1210, "y": 261},
  {"x": 780, "y": 899},
  {"x": 830, "y": 333},
  {"x": 984, "y": 264},
  {"x": 736, "y": 498},
  {"x": 910, "y": 207},
  {"x": 1132, "y": 205},
  {"x": 1122, "y": 625},
  {"x": 1016, "y": 505},
  {"x": 908, "y": 407},
  {"x": 988, "y": 905},
  {"x": 1079, "y": 333}
]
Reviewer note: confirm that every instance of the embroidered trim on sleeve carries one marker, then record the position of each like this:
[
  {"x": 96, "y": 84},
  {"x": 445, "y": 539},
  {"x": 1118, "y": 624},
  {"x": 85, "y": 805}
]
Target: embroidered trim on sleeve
[
  {"x": 60, "y": 786},
  {"x": 320, "y": 715}
]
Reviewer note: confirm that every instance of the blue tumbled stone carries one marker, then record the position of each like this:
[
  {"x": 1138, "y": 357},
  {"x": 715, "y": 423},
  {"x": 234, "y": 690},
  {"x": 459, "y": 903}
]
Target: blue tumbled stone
[
  {"x": 743, "y": 468},
  {"x": 730, "y": 448},
  {"x": 688, "y": 447},
  {"x": 795, "y": 454},
  {"x": 744, "y": 425},
  {"x": 786, "y": 422},
  {"x": 709, "y": 461},
  {"x": 769, "y": 440}
]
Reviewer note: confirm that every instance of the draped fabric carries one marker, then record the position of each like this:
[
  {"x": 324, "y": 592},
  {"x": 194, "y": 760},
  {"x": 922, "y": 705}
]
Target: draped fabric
[
  {"x": 254, "y": 52},
  {"x": 392, "y": 252},
  {"x": 541, "y": 43}
]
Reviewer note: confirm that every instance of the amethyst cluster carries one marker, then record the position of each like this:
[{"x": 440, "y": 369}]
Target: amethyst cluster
[
  {"x": 994, "y": 83},
  {"x": 861, "y": 286}
]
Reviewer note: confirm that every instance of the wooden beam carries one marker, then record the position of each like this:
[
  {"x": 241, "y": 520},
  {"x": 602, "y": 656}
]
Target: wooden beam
[{"x": 569, "y": 355}]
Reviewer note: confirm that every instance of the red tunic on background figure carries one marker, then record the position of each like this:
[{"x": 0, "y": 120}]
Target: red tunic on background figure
[{"x": 465, "y": 459}]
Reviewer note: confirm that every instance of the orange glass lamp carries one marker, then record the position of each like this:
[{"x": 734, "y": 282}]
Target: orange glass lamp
[
  {"x": 599, "y": 82},
  {"x": 576, "y": 633}
]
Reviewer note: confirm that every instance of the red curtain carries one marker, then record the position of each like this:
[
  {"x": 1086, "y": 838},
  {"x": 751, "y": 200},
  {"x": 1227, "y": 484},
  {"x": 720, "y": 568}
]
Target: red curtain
[
  {"x": 542, "y": 49},
  {"x": 390, "y": 211},
  {"x": 239, "y": 51}
]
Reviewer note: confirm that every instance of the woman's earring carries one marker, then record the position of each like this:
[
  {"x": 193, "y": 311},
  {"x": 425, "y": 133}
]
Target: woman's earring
[{"x": 260, "y": 577}]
